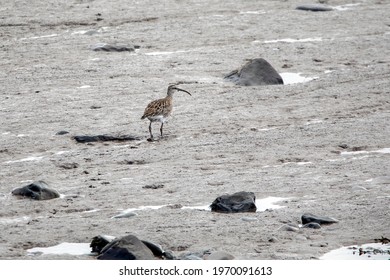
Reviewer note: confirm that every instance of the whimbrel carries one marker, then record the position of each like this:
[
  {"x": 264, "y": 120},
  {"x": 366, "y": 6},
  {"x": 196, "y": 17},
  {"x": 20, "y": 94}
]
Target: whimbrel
[{"x": 160, "y": 109}]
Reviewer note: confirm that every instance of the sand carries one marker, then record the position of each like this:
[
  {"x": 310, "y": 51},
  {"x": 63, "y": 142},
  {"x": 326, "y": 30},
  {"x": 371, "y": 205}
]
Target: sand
[{"x": 321, "y": 146}]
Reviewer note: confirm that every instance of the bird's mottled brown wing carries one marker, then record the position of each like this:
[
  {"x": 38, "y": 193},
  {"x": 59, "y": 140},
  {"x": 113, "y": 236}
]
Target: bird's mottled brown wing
[{"x": 158, "y": 107}]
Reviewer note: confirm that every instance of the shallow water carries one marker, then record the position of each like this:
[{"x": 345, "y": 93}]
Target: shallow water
[
  {"x": 63, "y": 248},
  {"x": 295, "y": 78},
  {"x": 381, "y": 151},
  {"x": 264, "y": 204}
]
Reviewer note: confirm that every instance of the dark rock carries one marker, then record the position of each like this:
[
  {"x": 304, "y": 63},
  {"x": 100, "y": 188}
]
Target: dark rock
[
  {"x": 310, "y": 218},
  {"x": 113, "y": 48},
  {"x": 131, "y": 162},
  {"x": 128, "y": 247},
  {"x": 256, "y": 72},
  {"x": 62, "y": 132},
  {"x": 156, "y": 249},
  {"x": 69, "y": 165},
  {"x": 99, "y": 242},
  {"x": 343, "y": 146},
  {"x": 314, "y": 7},
  {"x": 312, "y": 225},
  {"x": 289, "y": 227},
  {"x": 237, "y": 202},
  {"x": 169, "y": 255},
  {"x": 153, "y": 186},
  {"x": 38, "y": 190},
  {"x": 103, "y": 138},
  {"x": 273, "y": 240}
]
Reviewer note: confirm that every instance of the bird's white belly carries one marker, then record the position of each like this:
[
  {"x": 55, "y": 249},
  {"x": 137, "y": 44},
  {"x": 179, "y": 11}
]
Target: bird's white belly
[{"x": 159, "y": 118}]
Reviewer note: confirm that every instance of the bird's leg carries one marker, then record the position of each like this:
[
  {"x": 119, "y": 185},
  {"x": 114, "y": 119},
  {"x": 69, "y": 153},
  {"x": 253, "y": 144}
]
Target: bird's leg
[
  {"x": 161, "y": 129},
  {"x": 150, "y": 130}
]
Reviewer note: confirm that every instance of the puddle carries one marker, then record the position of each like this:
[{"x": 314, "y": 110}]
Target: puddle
[
  {"x": 313, "y": 121},
  {"x": 32, "y": 158},
  {"x": 288, "y": 163},
  {"x": 370, "y": 251},
  {"x": 90, "y": 31},
  {"x": 381, "y": 151},
  {"x": 269, "y": 203},
  {"x": 295, "y": 78},
  {"x": 75, "y": 249},
  {"x": 6, "y": 221},
  {"x": 40, "y": 37},
  {"x": 200, "y": 207},
  {"x": 130, "y": 211},
  {"x": 62, "y": 152},
  {"x": 91, "y": 211},
  {"x": 346, "y": 7}
]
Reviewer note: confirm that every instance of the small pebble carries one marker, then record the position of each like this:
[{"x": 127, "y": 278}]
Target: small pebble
[
  {"x": 289, "y": 228},
  {"x": 312, "y": 225}
]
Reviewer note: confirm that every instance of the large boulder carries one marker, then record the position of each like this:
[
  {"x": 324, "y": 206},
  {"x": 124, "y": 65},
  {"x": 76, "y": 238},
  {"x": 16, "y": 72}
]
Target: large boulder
[
  {"x": 255, "y": 72},
  {"x": 128, "y": 247},
  {"x": 101, "y": 243},
  {"x": 38, "y": 190},
  {"x": 237, "y": 202}
]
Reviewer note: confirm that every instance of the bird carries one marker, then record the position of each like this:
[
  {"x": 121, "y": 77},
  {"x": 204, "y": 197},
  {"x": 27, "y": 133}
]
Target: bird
[{"x": 159, "y": 110}]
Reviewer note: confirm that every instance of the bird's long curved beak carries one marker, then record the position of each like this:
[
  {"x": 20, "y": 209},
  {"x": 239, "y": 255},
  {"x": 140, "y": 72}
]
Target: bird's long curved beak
[{"x": 179, "y": 89}]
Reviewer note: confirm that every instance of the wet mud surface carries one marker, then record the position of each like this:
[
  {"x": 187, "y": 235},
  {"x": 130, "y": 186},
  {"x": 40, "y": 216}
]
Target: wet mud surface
[{"x": 321, "y": 145}]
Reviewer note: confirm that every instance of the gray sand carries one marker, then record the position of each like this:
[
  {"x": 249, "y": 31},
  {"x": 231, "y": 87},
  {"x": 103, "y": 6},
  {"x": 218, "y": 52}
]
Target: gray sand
[{"x": 276, "y": 141}]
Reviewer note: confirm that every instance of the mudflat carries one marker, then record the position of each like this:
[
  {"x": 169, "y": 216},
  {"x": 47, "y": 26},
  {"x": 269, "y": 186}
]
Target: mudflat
[{"x": 320, "y": 146}]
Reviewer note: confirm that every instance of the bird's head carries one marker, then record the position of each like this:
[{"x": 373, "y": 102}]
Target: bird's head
[{"x": 173, "y": 87}]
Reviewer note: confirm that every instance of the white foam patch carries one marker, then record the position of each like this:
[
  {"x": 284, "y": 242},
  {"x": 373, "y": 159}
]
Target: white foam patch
[
  {"x": 374, "y": 251},
  {"x": 32, "y": 158},
  {"x": 75, "y": 249},
  {"x": 295, "y": 78}
]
